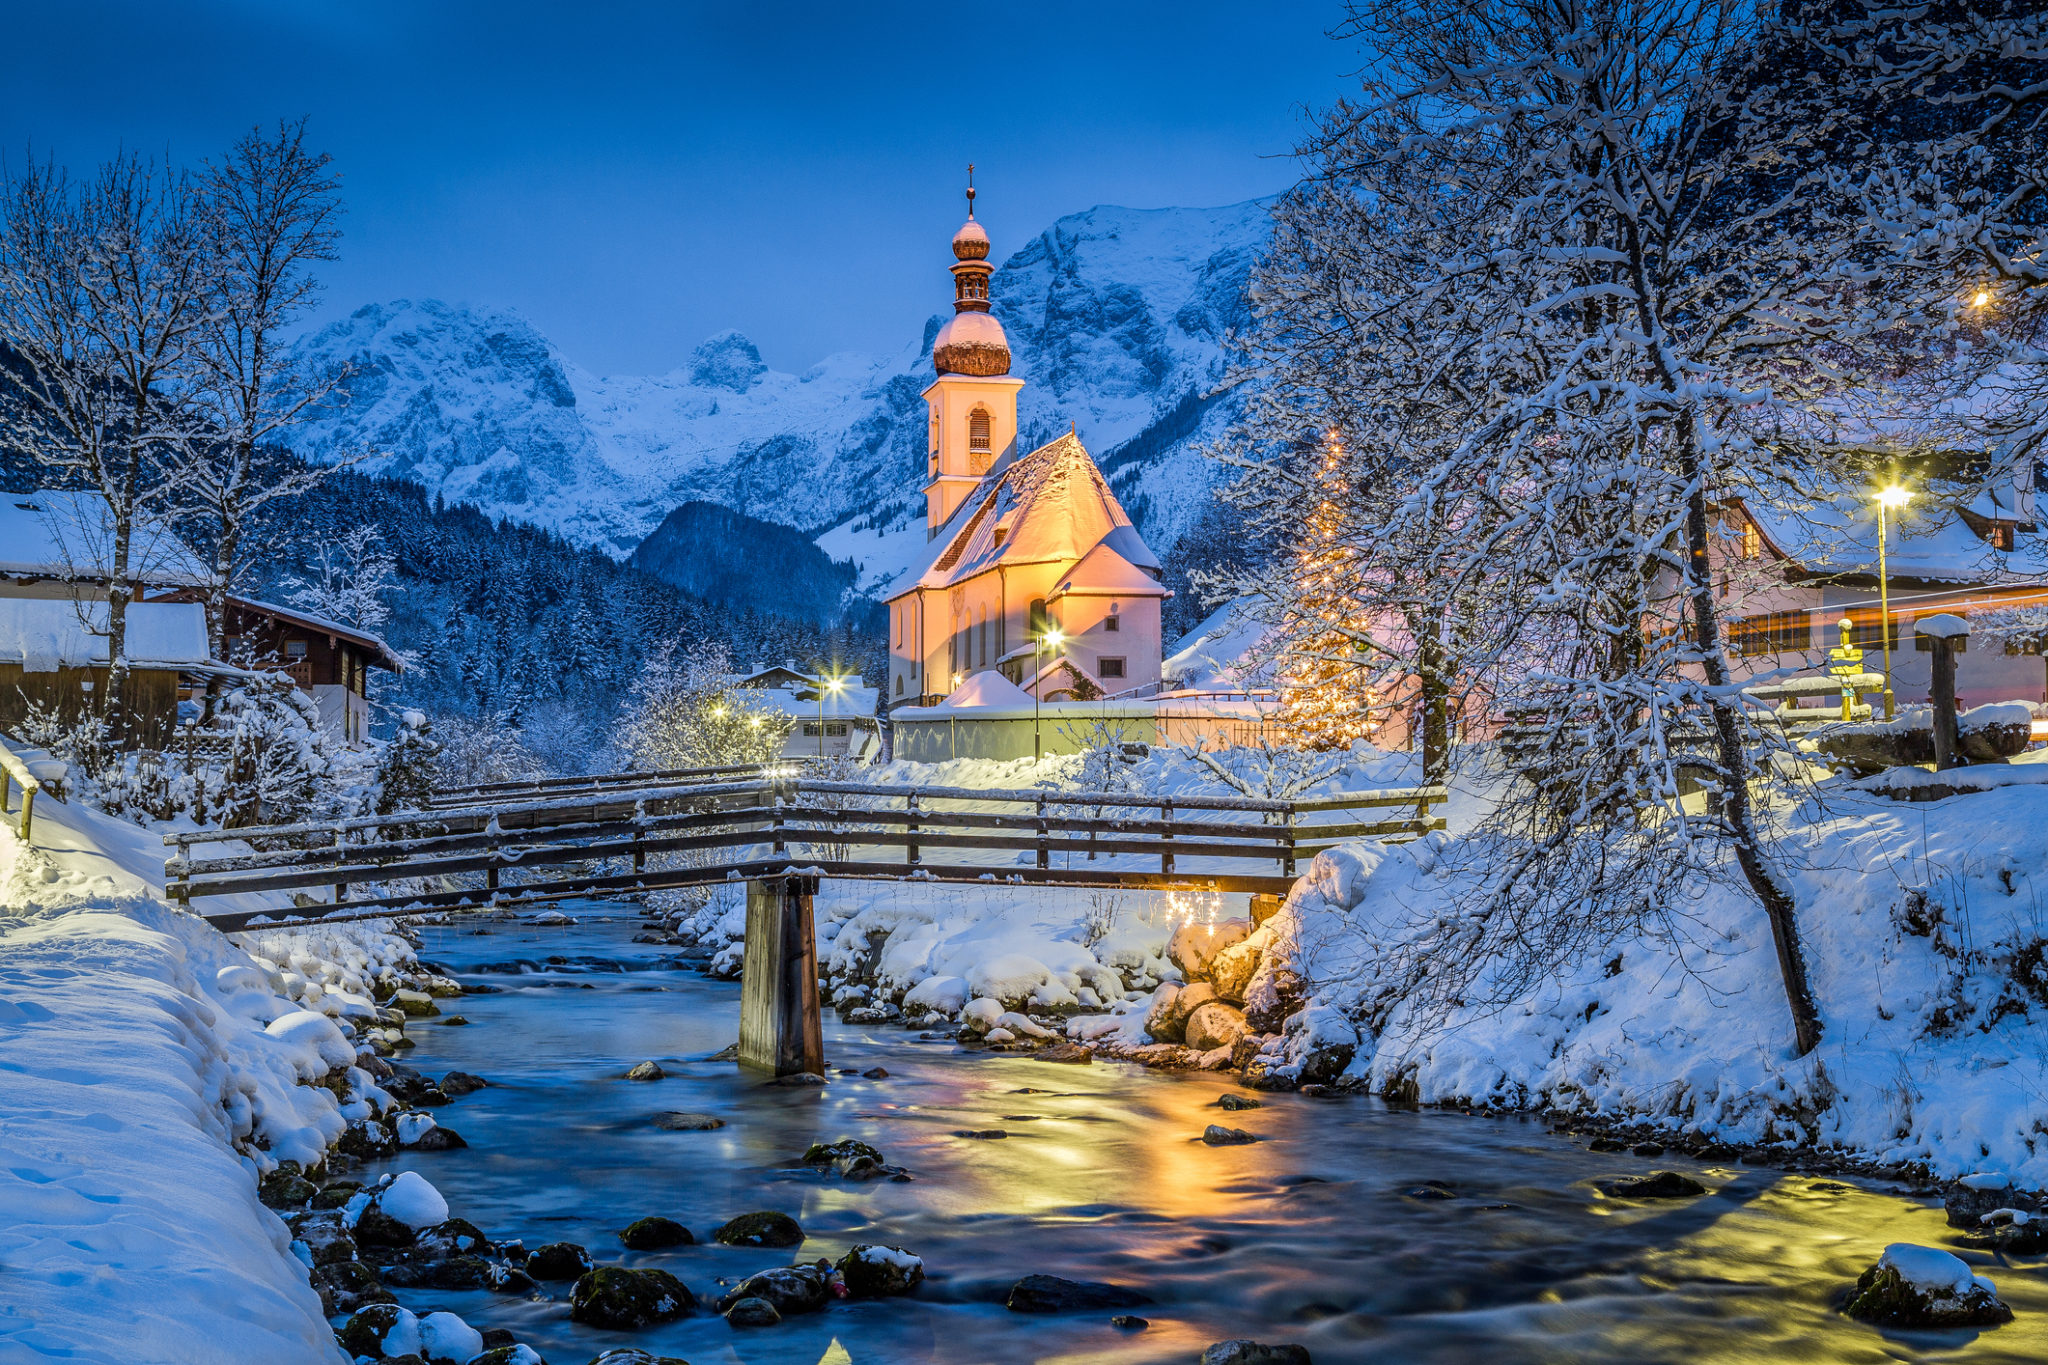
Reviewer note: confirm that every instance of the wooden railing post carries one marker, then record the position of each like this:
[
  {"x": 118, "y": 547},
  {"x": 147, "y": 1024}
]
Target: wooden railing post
[
  {"x": 910, "y": 850},
  {"x": 1166, "y": 838},
  {"x": 1044, "y": 834},
  {"x": 775, "y": 823},
  {"x": 1287, "y": 842},
  {"x": 781, "y": 1031}
]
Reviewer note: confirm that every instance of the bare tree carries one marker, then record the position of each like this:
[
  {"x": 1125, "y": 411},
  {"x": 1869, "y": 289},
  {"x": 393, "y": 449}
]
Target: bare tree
[
  {"x": 271, "y": 209},
  {"x": 102, "y": 290}
]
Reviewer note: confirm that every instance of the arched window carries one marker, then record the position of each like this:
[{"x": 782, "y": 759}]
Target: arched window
[
  {"x": 984, "y": 637},
  {"x": 1036, "y": 619}
]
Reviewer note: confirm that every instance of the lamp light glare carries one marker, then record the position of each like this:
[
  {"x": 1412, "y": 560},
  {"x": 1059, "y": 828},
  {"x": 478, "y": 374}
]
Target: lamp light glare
[
  {"x": 1894, "y": 496},
  {"x": 1983, "y": 297}
]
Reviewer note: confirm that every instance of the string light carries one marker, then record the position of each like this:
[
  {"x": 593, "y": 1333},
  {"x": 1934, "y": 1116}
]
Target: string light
[{"x": 1323, "y": 704}]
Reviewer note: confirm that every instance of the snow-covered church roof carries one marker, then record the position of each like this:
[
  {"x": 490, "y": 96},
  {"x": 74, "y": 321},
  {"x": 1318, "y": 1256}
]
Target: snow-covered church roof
[{"x": 1050, "y": 506}]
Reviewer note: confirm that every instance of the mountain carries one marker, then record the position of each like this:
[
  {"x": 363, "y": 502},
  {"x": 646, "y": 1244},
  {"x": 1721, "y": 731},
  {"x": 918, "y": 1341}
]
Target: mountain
[
  {"x": 1117, "y": 318},
  {"x": 762, "y": 565}
]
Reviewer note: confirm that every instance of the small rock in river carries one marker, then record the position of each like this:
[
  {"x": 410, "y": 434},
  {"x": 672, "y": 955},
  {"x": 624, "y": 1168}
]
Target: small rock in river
[
  {"x": 763, "y": 1229},
  {"x": 646, "y": 1071},
  {"x": 454, "y": 1021},
  {"x": 286, "y": 1188},
  {"x": 1429, "y": 1189},
  {"x": 345, "y": 1286},
  {"x": 1072, "y": 1053},
  {"x": 630, "y": 1355},
  {"x": 828, "y": 1153},
  {"x": 1606, "y": 1145},
  {"x": 678, "y": 1122},
  {"x": 439, "y": 1139},
  {"x": 1051, "y": 1294},
  {"x": 789, "y": 1289},
  {"x": 1216, "y": 1135},
  {"x": 461, "y": 1083},
  {"x": 1655, "y": 1185},
  {"x": 335, "y": 1193},
  {"x": 515, "y": 1353},
  {"x": 1237, "y": 1102},
  {"x": 621, "y": 1299},
  {"x": 558, "y": 1261},
  {"x": 1244, "y": 1351},
  {"x": 982, "y": 1134},
  {"x": 1916, "y": 1286},
  {"x": 1648, "y": 1149},
  {"x": 1129, "y": 1322},
  {"x": 652, "y": 1234},
  {"x": 875, "y": 1073},
  {"x": 799, "y": 1080},
  {"x": 495, "y": 1337},
  {"x": 751, "y": 1312}
]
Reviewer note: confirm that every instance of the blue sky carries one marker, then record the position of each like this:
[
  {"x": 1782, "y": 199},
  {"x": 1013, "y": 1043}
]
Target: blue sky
[{"x": 635, "y": 177}]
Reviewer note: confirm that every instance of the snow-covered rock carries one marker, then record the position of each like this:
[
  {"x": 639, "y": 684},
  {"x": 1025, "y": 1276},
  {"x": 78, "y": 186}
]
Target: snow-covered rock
[
  {"x": 1916, "y": 1286},
  {"x": 413, "y": 1201}
]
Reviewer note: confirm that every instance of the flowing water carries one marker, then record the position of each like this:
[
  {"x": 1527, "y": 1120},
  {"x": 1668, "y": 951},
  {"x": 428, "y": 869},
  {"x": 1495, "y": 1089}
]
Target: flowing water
[{"x": 1308, "y": 1236}]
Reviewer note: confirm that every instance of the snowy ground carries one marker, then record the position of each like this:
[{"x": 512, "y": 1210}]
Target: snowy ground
[{"x": 153, "y": 1070}]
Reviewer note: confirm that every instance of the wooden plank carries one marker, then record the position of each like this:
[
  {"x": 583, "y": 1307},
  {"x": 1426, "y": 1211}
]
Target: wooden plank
[{"x": 780, "y": 1029}]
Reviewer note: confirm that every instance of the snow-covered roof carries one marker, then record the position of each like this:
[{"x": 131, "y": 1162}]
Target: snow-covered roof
[
  {"x": 849, "y": 703},
  {"x": 1935, "y": 545},
  {"x": 43, "y": 634},
  {"x": 987, "y": 688},
  {"x": 1223, "y": 652},
  {"x": 383, "y": 655},
  {"x": 1047, "y": 507},
  {"x": 51, "y": 533},
  {"x": 1103, "y": 572}
]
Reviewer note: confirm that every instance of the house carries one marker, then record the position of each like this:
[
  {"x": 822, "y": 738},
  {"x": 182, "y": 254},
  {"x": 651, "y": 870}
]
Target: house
[
  {"x": 1035, "y": 570},
  {"x": 828, "y": 721},
  {"x": 329, "y": 661},
  {"x": 55, "y": 549},
  {"x": 1791, "y": 579}
]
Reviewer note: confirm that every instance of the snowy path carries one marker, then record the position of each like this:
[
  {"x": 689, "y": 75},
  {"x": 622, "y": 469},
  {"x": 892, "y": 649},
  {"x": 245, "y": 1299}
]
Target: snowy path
[{"x": 130, "y": 1230}]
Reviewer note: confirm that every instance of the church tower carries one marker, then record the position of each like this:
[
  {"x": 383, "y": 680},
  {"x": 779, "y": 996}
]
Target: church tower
[{"x": 973, "y": 402}]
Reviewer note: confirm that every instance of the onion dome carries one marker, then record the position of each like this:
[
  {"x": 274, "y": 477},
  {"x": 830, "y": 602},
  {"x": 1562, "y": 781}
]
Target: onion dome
[{"x": 973, "y": 342}]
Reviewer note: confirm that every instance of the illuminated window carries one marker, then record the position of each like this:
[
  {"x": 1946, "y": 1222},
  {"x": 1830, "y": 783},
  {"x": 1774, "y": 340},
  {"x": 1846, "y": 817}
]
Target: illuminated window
[
  {"x": 1752, "y": 541},
  {"x": 1771, "y": 633}
]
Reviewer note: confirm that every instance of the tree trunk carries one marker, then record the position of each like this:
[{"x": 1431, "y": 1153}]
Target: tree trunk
[
  {"x": 1736, "y": 809},
  {"x": 1436, "y": 710}
]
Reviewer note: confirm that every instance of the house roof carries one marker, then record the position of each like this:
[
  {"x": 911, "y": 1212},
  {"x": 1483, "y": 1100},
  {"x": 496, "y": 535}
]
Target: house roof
[
  {"x": 382, "y": 655},
  {"x": 43, "y": 634},
  {"x": 1838, "y": 539},
  {"x": 1048, "y": 507},
  {"x": 987, "y": 688},
  {"x": 53, "y": 533},
  {"x": 849, "y": 703},
  {"x": 1103, "y": 572},
  {"x": 1226, "y": 652}
]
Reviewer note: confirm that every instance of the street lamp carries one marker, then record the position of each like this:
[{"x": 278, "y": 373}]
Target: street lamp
[
  {"x": 1890, "y": 496},
  {"x": 1051, "y": 639},
  {"x": 832, "y": 685}
]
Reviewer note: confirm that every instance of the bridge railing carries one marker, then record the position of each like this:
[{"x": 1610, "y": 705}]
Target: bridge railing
[
  {"x": 616, "y": 842},
  {"x": 484, "y": 793}
]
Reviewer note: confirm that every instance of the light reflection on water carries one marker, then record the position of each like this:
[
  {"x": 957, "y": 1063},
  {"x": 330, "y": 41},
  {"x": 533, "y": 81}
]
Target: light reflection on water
[{"x": 1304, "y": 1237}]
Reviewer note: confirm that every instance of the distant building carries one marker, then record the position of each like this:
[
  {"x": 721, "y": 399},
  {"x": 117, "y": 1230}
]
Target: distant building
[
  {"x": 829, "y": 722},
  {"x": 1035, "y": 570}
]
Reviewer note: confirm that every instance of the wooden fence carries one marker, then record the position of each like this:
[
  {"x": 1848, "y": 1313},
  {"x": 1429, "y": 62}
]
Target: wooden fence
[{"x": 619, "y": 842}]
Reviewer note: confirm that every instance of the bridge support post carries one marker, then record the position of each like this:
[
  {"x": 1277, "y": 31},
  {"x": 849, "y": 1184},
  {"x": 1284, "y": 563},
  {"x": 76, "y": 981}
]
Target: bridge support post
[{"x": 780, "y": 1030}]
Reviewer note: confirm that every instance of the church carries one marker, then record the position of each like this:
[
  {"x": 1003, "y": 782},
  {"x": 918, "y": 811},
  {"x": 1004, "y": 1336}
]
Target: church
[{"x": 1035, "y": 573}]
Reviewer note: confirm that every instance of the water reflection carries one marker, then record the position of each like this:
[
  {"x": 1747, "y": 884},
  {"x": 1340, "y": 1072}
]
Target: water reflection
[{"x": 1309, "y": 1235}]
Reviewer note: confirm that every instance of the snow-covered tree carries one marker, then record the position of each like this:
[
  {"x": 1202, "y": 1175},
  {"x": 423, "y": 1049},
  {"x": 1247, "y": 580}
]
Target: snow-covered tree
[
  {"x": 278, "y": 757},
  {"x": 478, "y": 749},
  {"x": 407, "y": 770},
  {"x": 1567, "y": 279},
  {"x": 349, "y": 581},
  {"x": 267, "y": 213},
  {"x": 102, "y": 291},
  {"x": 684, "y": 712}
]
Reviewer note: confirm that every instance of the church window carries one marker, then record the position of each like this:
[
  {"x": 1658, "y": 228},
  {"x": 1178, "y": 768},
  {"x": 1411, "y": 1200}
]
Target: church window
[
  {"x": 978, "y": 430},
  {"x": 899, "y": 684},
  {"x": 1036, "y": 618},
  {"x": 1113, "y": 622},
  {"x": 1109, "y": 668},
  {"x": 984, "y": 637}
]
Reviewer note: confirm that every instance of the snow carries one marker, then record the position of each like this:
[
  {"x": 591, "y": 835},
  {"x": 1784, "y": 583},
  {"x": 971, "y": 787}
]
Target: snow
[
  {"x": 45, "y": 634},
  {"x": 1944, "y": 626},
  {"x": 987, "y": 688},
  {"x": 413, "y": 1201},
  {"x": 1918, "y": 921},
  {"x": 1222, "y": 653},
  {"x": 54, "y": 534},
  {"x": 443, "y": 1336},
  {"x": 1931, "y": 1270}
]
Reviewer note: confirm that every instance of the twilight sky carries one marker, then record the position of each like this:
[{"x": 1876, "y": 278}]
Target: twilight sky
[{"x": 636, "y": 176}]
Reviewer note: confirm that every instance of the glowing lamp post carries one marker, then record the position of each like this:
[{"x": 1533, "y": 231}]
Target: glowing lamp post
[
  {"x": 1888, "y": 497},
  {"x": 1052, "y": 640},
  {"x": 832, "y": 685}
]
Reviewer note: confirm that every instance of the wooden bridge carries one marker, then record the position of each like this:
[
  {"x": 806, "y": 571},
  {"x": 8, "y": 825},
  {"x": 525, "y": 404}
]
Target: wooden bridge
[{"x": 521, "y": 844}]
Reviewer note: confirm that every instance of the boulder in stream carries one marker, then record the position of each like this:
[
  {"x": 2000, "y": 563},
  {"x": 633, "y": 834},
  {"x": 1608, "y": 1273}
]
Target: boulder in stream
[
  {"x": 286, "y": 1187},
  {"x": 647, "y": 1071},
  {"x": 1052, "y": 1294},
  {"x": 1245, "y": 1351},
  {"x": 677, "y": 1121},
  {"x": 633, "y": 1355},
  {"x": 621, "y": 1299},
  {"x": 558, "y": 1261},
  {"x": 764, "y": 1228},
  {"x": 1214, "y": 1025},
  {"x": 345, "y": 1286},
  {"x": 1916, "y": 1286},
  {"x": 1655, "y": 1185},
  {"x": 519, "y": 1353},
  {"x": 1238, "y": 1102},
  {"x": 1194, "y": 946},
  {"x": 791, "y": 1289},
  {"x": 462, "y": 1083},
  {"x": 1216, "y": 1135},
  {"x": 873, "y": 1272},
  {"x": 752, "y": 1312},
  {"x": 653, "y": 1234}
]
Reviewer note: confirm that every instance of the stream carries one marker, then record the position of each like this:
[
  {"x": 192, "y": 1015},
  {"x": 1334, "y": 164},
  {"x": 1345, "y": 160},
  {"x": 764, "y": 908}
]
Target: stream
[{"x": 1309, "y": 1236}]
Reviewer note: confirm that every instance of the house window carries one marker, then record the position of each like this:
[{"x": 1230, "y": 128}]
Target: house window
[
  {"x": 2000, "y": 535},
  {"x": 1113, "y": 623},
  {"x": 810, "y": 729},
  {"x": 1771, "y": 633},
  {"x": 295, "y": 650},
  {"x": 1752, "y": 541},
  {"x": 1109, "y": 668},
  {"x": 835, "y": 729}
]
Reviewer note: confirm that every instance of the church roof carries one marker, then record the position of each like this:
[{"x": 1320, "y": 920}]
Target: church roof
[
  {"x": 1048, "y": 507},
  {"x": 1103, "y": 572}
]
